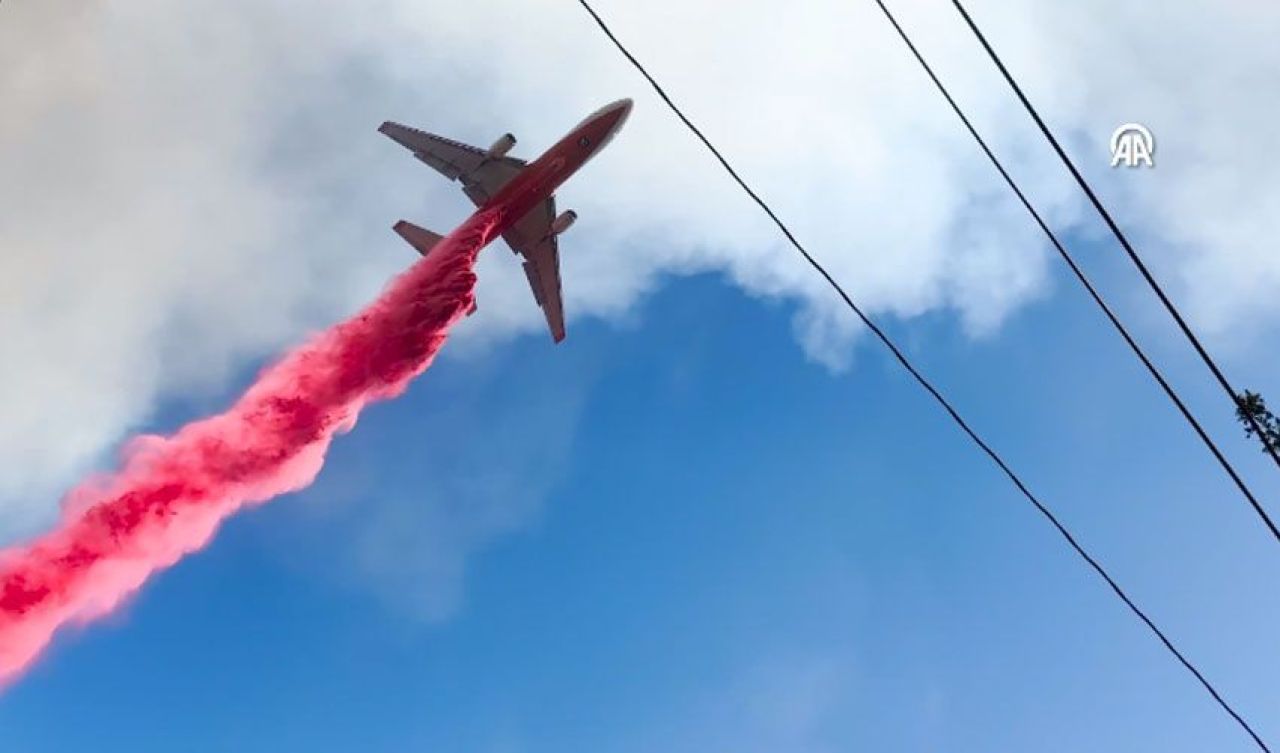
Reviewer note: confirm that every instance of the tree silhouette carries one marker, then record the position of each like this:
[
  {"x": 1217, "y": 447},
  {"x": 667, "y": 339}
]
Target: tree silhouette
[{"x": 1252, "y": 404}]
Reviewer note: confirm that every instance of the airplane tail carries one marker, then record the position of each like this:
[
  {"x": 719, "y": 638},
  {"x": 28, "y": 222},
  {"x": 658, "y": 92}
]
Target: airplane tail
[{"x": 423, "y": 241}]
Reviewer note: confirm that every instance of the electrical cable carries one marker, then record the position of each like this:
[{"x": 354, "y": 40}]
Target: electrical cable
[
  {"x": 928, "y": 386},
  {"x": 1128, "y": 248},
  {"x": 1084, "y": 280}
]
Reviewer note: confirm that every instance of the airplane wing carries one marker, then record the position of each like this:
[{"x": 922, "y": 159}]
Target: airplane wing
[
  {"x": 481, "y": 176},
  {"x": 532, "y": 238}
]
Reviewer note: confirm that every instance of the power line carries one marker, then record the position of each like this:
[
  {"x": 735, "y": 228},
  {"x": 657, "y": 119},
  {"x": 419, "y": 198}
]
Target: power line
[
  {"x": 1084, "y": 280},
  {"x": 923, "y": 382},
  {"x": 1124, "y": 241}
]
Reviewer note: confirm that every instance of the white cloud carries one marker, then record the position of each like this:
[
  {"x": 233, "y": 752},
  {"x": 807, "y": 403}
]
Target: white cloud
[
  {"x": 190, "y": 185},
  {"x": 474, "y": 466},
  {"x": 477, "y": 478}
]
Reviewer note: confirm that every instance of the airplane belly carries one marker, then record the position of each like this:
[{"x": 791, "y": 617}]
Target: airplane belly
[{"x": 523, "y": 196}]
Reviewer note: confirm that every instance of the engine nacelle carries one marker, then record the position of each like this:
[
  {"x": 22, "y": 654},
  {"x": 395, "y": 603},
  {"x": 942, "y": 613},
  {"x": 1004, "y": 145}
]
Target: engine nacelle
[
  {"x": 501, "y": 146},
  {"x": 562, "y": 223}
]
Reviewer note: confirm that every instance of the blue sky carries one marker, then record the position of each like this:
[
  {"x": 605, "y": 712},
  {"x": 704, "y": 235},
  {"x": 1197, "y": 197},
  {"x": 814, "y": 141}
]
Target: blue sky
[
  {"x": 709, "y": 542},
  {"x": 718, "y": 517}
]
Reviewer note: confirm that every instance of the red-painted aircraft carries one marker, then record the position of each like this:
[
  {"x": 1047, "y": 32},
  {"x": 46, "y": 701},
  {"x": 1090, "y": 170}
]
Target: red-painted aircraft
[{"x": 525, "y": 191}]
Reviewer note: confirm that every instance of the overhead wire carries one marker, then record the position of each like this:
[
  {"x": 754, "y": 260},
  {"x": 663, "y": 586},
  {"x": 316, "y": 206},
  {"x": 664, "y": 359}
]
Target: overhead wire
[
  {"x": 1190, "y": 418},
  {"x": 927, "y": 385},
  {"x": 1132, "y": 253}
]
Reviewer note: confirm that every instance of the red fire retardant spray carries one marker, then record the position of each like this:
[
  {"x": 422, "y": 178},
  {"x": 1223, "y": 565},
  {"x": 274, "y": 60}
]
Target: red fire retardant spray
[{"x": 171, "y": 492}]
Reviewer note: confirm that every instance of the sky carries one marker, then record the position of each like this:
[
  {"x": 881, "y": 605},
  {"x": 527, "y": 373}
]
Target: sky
[{"x": 718, "y": 515}]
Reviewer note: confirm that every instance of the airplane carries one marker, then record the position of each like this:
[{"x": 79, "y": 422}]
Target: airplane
[{"x": 526, "y": 191}]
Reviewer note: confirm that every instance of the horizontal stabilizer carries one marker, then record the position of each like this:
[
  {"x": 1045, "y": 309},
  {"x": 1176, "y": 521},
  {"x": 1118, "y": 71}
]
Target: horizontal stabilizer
[
  {"x": 423, "y": 240},
  {"x": 420, "y": 238}
]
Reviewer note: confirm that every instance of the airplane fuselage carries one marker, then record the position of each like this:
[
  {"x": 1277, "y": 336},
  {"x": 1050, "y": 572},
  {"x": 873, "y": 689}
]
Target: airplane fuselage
[
  {"x": 514, "y": 199},
  {"x": 540, "y": 178}
]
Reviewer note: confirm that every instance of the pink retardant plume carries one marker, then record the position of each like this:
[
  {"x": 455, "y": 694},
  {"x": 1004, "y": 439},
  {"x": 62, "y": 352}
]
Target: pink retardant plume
[{"x": 172, "y": 492}]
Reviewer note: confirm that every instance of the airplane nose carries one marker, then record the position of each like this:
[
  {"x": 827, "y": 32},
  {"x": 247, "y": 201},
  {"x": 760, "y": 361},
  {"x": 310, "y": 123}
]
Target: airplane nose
[{"x": 623, "y": 109}]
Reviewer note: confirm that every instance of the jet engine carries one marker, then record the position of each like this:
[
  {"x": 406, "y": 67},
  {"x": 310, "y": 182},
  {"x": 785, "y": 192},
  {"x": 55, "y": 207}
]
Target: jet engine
[
  {"x": 501, "y": 146},
  {"x": 562, "y": 223}
]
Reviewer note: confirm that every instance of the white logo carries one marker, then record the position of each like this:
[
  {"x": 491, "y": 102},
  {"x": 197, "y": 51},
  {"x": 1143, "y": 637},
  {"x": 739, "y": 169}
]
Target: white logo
[{"x": 1132, "y": 144}]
